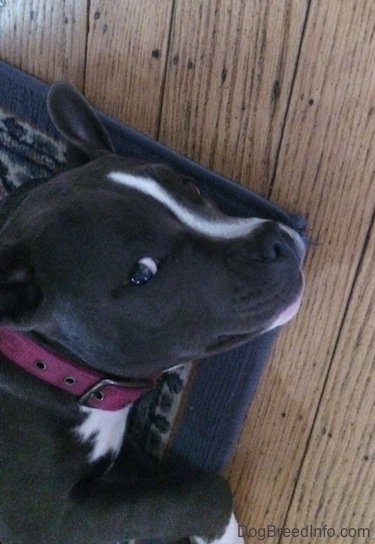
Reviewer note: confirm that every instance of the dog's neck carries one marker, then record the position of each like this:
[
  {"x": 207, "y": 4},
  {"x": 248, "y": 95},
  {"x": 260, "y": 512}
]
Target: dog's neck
[{"x": 91, "y": 387}]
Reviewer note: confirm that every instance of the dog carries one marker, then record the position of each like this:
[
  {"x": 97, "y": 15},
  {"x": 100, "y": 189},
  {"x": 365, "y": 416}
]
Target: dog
[{"x": 111, "y": 273}]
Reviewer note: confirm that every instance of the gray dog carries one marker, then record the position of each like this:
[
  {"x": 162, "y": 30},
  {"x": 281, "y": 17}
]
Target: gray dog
[{"x": 112, "y": 273}]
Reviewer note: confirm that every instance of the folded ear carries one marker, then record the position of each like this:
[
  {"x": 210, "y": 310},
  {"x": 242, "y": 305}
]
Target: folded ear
[
  {"x": 19, "y": 293},
  {"x": 75, "y": 119}
]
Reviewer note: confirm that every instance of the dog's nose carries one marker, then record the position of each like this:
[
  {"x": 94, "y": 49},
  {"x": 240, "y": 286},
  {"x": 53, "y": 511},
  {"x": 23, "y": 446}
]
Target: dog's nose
[{"x": 272, "y": 242}]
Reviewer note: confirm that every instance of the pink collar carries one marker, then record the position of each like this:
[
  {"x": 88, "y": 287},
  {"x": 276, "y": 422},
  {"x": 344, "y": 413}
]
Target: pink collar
[{"x": 93, "y": 389}]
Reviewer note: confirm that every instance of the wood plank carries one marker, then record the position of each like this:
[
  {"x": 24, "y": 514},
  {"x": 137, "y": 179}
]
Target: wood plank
[
  {"x": 326, "y": 171},
  {"x": 229, "y": 76},
  {"x": 46, "y": 39},
  {"x": 127, "y": 51},
  {"x": 337, "y": 483}
]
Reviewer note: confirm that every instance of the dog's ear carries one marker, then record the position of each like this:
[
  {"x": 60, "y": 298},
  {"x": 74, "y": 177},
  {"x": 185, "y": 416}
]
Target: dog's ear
[
  {"x": 75, "y": 119},
  {"x": 19, "y": 293}
]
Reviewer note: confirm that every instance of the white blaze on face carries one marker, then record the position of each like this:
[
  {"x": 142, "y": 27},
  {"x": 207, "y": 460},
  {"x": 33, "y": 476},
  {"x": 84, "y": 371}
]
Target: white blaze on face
[{"x": 227, "y": 228}]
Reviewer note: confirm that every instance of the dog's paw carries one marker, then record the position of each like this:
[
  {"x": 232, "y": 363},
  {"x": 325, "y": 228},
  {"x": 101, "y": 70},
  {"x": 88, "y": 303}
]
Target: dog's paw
[{"x": 230, "y": 536}]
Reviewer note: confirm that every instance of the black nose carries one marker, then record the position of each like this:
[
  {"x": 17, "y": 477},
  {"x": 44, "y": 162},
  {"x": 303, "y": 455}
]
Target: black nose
[{"x": 270, "y": 243}]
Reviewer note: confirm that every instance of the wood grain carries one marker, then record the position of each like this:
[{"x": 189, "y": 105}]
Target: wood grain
[
  {"x": 325, "y": 170},
  {"x": 229, "y": 76},
  {"x": 127, "y": 51},
  {"x": 46, "y": 39},
  {"x": 336, "y": 486},
  {"x": 218, "y": 82}
]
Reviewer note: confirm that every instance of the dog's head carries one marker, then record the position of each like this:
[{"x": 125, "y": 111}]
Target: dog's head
[{"x": 127, "y": 266}]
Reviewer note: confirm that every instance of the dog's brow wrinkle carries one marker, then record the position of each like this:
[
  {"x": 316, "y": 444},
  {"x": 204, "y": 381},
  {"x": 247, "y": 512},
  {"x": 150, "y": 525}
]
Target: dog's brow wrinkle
[{"x": 227, "y": 228}]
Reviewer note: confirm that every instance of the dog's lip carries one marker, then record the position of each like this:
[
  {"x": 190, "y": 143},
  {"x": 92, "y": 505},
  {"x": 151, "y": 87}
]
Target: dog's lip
[
  {"x": 287, "y": 314},
  {"x": 226, "y": 341}
]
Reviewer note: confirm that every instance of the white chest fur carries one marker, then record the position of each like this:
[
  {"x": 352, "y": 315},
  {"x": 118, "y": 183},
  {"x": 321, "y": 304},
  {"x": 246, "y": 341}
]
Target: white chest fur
[{"x": 104, "y": 430}]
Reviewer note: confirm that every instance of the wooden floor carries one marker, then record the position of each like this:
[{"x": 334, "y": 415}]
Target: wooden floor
[{"x": 280, "y": 96}]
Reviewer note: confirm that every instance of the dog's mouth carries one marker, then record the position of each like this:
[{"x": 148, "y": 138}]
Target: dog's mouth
[
  {"x": 224, "y": 342},
  {"x": 228, "y": 341}
]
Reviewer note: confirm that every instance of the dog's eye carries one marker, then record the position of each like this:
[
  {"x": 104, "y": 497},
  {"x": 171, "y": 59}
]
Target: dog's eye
[{"x": 143, "y": 271}]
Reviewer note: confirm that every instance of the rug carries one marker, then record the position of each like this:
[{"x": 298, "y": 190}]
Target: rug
[{"x": 196, "y": 411}]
